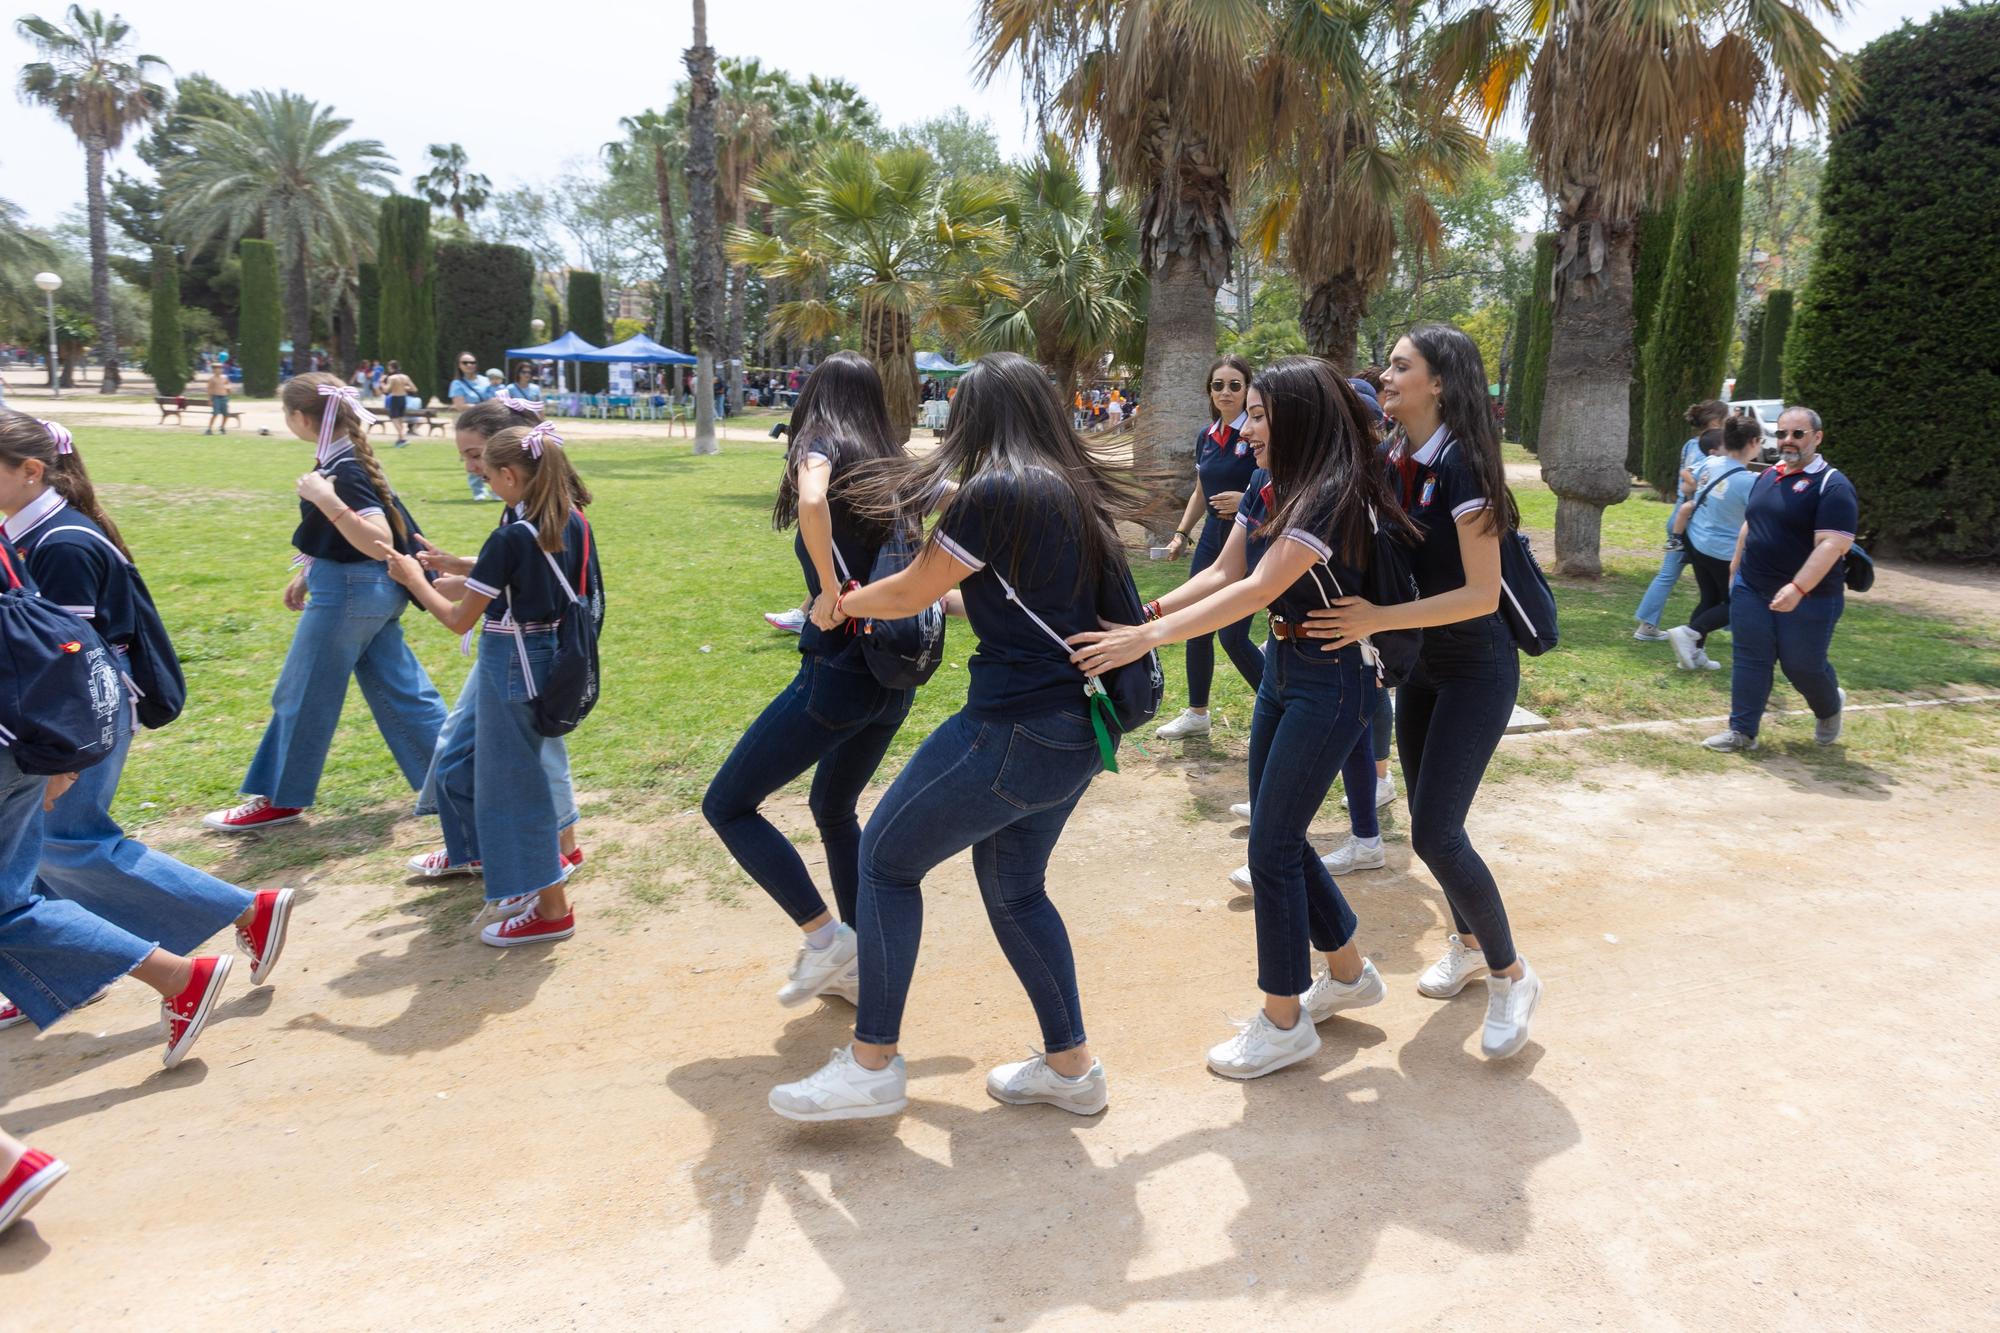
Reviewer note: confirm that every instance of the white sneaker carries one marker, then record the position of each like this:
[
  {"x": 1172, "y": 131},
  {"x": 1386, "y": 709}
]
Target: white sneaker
[
  {"x": 1451, "y": 973},
  {"x": 846, "y": 986},
  {"x": 1686, "y": 644},
  {"x": 1703, "y": 662},
  {"x": 1385, "y": 793},
  {"x": 1189, "y": 723},
  {"x": 1355, "y": 854},
  {"x": 1731, "y": 742},
  {"x": 816, "y": 969},
  {"x": 1262, "y": 1047},
  {"x": 1241, "y": 810},
  {"x": 842, "y": 1090},
  {"x": 1328, "y": 997},
  {"x": 789, "y": 621},
  {"x": 1826, "y": 730},
  {"x": 1648, "y": 633},
  {"x": 1027, "y": 1082},
  {"x": 1240, "y": 878},
  {"x": 438, "y": 865},
  {"x": 1510, "y": 1005}
]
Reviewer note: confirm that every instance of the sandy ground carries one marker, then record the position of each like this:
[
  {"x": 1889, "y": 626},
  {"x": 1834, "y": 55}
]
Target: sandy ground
[{"x": 1761, "y": 1094}]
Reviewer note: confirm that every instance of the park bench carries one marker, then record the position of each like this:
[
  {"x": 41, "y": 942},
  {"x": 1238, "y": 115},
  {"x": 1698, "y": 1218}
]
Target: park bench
[
  {"x": 426, "y": 416},
  {"x": 177, "y": 405}
]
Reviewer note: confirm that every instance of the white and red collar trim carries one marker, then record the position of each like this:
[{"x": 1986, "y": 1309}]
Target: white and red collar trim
[
  {"x": 1434, "y": 446},
  {"x": 32, "y": 515},
  {"x": 1215, "y": 427},
  {"x": 1817, "y": 465}
]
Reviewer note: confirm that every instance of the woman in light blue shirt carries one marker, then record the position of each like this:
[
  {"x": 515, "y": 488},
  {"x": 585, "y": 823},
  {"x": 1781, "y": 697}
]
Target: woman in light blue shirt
[
  {"x": 524, "y": 385},
  {"x": 1711, "y": 516},
  {"x": 1702, "y": 416}
]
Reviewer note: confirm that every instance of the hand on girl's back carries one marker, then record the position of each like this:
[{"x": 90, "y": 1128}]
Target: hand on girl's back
[
  {"x": 434, "y": 557},
  {"x": 402, "y": 568}
]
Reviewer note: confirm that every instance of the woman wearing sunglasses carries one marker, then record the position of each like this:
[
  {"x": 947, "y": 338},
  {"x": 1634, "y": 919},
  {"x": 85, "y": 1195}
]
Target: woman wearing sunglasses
[
  {"x": 1223, "y": 462},
  {"x": 469, "y": 390}
]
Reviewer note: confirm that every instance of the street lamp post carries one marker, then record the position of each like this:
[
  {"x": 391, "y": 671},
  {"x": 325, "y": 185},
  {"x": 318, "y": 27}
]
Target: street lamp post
[{"x": 48, "y": 282}]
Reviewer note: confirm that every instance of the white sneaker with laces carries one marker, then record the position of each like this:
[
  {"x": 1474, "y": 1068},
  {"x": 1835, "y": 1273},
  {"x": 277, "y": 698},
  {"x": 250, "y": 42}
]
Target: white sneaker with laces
[
  {"x": 1454, "y": 971},
  {"x": 789, "y": 621},
  {"x": 1189, "y": 723},
  {"x": 1261, "y": 1047},
  {"x": 438, "y": 865},
  {"x": 1328, "y": 997},
  {"x": 1686, "y": 644},
  {"x": 1241, "y": 810},
  {"x": 1826, "y": 730},
  {"x": 1030, "y": 1082},
  {"x": 842, "y": 1090},
  {"x": 1355, "y": 854},
  {"x": 816, "y": 969},
  {"x": 1385, "y": 793},
  {"x": 1240, "y": 878},
  {"x": 1703, "y": 662},
  {"x": 1648, "y": 633},
  {"x": 1731, "y": 742},
  {"x": 846, "y": 986},
  {"x": 1510, "y": 1004}
]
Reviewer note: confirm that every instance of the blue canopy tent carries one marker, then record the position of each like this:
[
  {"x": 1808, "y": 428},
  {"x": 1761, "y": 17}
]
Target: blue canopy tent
[
  {"x": 639, "y": 350},
  {"x": 569, "y": 347},
  {"x": 931, "y": 363}
]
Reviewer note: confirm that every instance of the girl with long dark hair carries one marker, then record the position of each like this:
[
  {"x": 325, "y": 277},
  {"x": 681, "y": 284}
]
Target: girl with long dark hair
[
  {"x": 1454, "y": 709},
  {"x": 1223, "y": 463},
  {"x": 1316, "y": 523},
  {"x": 1026, "y": 540},
  {"x": 835, "y": 717}
]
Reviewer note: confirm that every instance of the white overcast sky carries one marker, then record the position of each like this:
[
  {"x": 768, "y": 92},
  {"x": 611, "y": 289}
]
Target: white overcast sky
[{"x": 526, "y": 87}]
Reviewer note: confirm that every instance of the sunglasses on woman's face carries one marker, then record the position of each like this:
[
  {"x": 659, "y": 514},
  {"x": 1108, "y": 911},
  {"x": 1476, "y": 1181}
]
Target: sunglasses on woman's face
[
  {"x": 1225, "y": 386},
  {"x": 1793, "y": 434}
]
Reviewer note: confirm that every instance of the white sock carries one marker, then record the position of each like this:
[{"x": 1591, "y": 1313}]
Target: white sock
[{"x": 819, "y": 939}]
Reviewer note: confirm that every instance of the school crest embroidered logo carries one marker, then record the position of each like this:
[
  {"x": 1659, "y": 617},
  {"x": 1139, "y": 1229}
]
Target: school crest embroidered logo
[
  {"x": 73, "y": 646},
  {"x": 1801, "y": 483},
  {"x": 1430, "y": 487}
]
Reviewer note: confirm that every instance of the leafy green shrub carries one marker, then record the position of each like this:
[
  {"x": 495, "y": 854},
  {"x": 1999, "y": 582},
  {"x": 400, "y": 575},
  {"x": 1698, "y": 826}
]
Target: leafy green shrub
[
  {"x": 1652, "y": 242},
  {"x": 1535, "y": 362},
  {"x": 1689, "y": 342},
  {"x": 258, "y": 323},
  {"x": 406, "y": 315},
  {"x": 1771, "y": 354},
  {"x": 368, "y": 321},
  {"x": 166, "y": 347},
  {"x": 586, "y": 320},
  {"x": 485, "y": 298},
  {"x": 1748, "y": 372}
]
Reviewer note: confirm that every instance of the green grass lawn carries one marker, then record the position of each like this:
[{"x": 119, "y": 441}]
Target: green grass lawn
[{"x": 690, "y": 565}]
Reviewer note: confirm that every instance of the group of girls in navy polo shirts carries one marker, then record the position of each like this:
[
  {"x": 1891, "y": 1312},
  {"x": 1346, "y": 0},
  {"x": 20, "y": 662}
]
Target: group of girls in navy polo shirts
[{"x": 1026, "y": 526}]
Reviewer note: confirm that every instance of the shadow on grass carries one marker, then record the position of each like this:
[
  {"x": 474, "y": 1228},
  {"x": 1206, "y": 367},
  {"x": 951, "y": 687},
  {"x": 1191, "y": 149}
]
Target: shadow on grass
[{"x": 254, "y": 858}]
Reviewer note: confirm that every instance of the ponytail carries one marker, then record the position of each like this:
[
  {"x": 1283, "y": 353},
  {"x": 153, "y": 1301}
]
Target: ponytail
[
  {"x": 340, "y": 413},
  {"x": 554, "y": 488},
  {"x": 364, "y": 453},
  {"x": 24, "y": 437}
]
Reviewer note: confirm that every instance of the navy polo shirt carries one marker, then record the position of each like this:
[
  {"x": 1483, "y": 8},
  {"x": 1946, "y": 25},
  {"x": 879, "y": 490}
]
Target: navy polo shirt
[
  {"x": 512, "y": 560},
  {"x": 1438, "y": 487},
  {"x": 76, "y": 566},
  {"x": 1250, "y": 516},
  {"x": 316, "y": 536},
  {"x": 857, "y": 552},
  {"x": 1223, "y": 460},
  {"x": 1019, "y": 671},
  {"x": 1785, "y": 510},
  {"x": 1325, "y": 580}
]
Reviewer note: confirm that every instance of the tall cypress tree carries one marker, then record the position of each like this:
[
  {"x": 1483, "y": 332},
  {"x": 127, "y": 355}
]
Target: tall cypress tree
[
  {"x": 586, "y": 320},
  {"x": 259, "y": 318},
  {"x": 1524, "y": 320},
  {"x": 1748, "y": 371},
  {"x": 368, "y": 322},
  {"x": 166, "y": 348},
  {"x": 1535, "y": 361},
  {"x": 1652, "y": 241},
  {"x": 1688, "y": 348},
  {"x": 1777, "y": 327},
  {"x": 406, "y": 327}
]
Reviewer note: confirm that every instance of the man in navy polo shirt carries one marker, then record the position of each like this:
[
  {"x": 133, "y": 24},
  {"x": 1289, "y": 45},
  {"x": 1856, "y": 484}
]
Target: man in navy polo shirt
[{"x": 1787, "y": 584}]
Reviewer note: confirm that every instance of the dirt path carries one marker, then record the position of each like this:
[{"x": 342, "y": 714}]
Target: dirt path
[{"x": 1761, "y": 1094}]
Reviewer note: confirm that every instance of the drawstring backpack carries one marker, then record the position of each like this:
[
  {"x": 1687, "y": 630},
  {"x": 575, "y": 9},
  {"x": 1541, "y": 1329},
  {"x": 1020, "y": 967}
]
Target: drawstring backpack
[
  {"x": 906, "y": 652},
  {"x": 1526, "y": 602},
  {"x": 59, "y": 693},
  {"x": 1390, "y": 579},
  {"x": 569, "y": 691},
  {"x": 152, "y": 667}
]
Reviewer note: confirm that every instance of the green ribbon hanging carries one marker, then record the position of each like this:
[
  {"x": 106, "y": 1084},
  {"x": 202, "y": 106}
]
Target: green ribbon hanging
[{"x": 1103, "y": 722}]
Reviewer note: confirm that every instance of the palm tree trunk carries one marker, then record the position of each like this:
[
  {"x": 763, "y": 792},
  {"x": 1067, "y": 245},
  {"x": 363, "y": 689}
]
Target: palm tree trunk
[
  {"x": 739, "y": 303},
  {"x": 100, "y": 265},
  {"x": 708, "y": 280},
  {"x": 1331, "y": 318},
  {"x": 1589, "y": 375},
  {"x": 670, "y": 239},
  {"x": 1180, "y": 343},
  {"x": 885, "y": 340}
]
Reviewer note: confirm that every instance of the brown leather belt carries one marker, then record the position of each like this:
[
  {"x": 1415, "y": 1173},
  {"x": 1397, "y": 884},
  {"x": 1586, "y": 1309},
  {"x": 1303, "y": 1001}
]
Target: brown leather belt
[{"x": 1285, "y": 629}]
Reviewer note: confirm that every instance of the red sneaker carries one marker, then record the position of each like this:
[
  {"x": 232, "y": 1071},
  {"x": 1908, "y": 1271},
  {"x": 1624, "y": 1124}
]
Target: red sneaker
[
  {"x": 32, "y": 1177},
  {"x": 265, "y": 939},
  {"x": 438, "y": 865},
  {"x": 187, "y": 1013},
  {"x": 253, "y": 814},
  {"x": 528, "y": 928},
  {"x": 11, "y": 1017},
  {"x": 571, "y": 862}
]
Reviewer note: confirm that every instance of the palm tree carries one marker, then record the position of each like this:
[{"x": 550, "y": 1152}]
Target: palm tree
[
  {"x": 1617, "y": 96},
  {"x": 659, "y": 141},
  {"x": 895, "y": 247},
  {"x": 275, "y": 164},
  {"x": 703, "y": 224},
  {"x": 1365, "y": 136},
  {"x": 749, "y": 104},
  {"x": 1163, "y": 84},
  {"x": 1078, "y": 286},
  {"x": 95, "y": 86},
  {"x": 451, "y": 183}
]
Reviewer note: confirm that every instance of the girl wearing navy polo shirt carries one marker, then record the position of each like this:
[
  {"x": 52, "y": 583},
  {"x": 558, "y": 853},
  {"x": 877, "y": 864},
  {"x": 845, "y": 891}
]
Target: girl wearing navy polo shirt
[
  {"x": 350, "y": 622},
  {"x": 59, "y": 532},
  {"x": 1223, "y": 464},
  {"x": 1788, "y": 585},
  {"x": 834, "y": 717},
  {"x": 1451, "y": 714},
  {"x": 518, "y": 591},
  {"x": 1313, "y": 707},
  {"x": 1033, "y": 519}
]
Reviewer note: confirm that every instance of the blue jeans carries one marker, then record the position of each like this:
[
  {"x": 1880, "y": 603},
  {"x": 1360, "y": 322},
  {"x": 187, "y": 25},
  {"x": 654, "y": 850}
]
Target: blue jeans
[
  {"x": 478, "y": 485},
  {"x": 1004, "y": 789},
  {"x": 88, "y": 860},
  {"x": 1654, "y": 604},
  {"x": 489, "y": 814},
  {"x": 1796, "y": 640},
  {"x": 350, "y": 627},
  {"x": 1235, "y": 638},
  {"x": 54, "y": 955},
  {"x": 555, "y": 761},
  {"x": 1450, "y": 717},
  {"x": 837, "y": 718},
  {"x": 1312, "y": 715}
]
